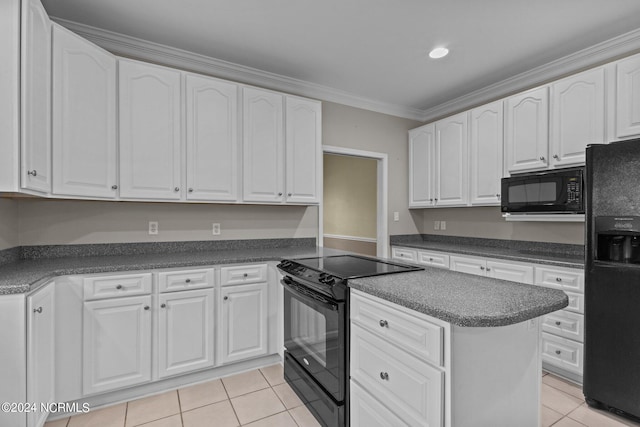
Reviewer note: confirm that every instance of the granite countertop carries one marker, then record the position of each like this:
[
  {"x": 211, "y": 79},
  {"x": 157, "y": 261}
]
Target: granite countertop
[
  {"x": 464, "y": 299},
  {"x": 562, "y": 255},
  {"x": 27, "y": 275}
]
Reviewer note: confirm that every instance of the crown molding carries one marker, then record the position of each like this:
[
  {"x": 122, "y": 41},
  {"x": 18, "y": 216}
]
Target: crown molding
[
  {"x": 165, "y": 55},
  {"x": 598, "y": 54}
]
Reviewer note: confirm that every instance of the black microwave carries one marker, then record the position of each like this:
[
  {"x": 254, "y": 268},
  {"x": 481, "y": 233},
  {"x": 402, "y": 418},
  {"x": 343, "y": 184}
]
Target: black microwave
[{"x": 556, "y": 191}]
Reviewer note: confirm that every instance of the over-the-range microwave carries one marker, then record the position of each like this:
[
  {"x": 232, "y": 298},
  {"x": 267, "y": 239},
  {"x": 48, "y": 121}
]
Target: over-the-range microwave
[{"x": 557, "y": 191}]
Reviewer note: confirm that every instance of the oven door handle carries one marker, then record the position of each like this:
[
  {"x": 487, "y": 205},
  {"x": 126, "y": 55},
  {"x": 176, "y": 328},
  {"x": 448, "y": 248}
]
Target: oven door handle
[{"x": 303, "y": 293}]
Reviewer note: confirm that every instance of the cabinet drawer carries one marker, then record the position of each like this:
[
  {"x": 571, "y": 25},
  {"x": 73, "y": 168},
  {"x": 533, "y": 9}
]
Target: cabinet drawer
[
  {"x": 417, "y": 336},
  {"x": 469, "y": 265},
  {"x": 122, "y": 285},
  {"x": 576, "y": 302},
  {"x": 366, "y": 411},
  {"x": 560, "y": 278},
  {"x": 409, "y": 387},
  {"x": 521, "y": 273},
  {"x": 404, "y": 254},
  {"x": 243, "y": 274},
  {"x": 565, "y": 324},
  {"x": 433, "y": 259},
  {"x": 170, "y": 281},
  {"x": 563, "y": 353}
]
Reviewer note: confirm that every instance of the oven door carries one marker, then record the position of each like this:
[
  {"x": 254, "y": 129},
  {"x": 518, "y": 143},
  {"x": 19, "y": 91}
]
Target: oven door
[{"x": 315, "y": 336}]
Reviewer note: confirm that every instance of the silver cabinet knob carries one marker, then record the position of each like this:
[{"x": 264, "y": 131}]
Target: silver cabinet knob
[
  {"x": 279, "y": 194},
  {"x": 542, "y": 158},
  {"x": 176, "y": 189},
  {"x": 555, "y": 156},
  {"x": 225, "y": 298},
  {"x": 146, "y": 307},
  {"x": 163, "y": 305},
  {"x": 245, "y": 275},
  {"x": 431, "y": 200},
  {"x": 488, "y": 269},
  {"x": 498, "y": 196},
  {"x": 558, "y": 323},
  {"x": 436, "y": 199},
  {"x": 384, "y": 376},
  {"x": 187, "y": 281},
  {"x": 430, "y": 259},
  {"x": 558, "y": 352},
  {"x": 481, "y": 268},
  {"x": 384, "y": 323},
  {"x": 288, "y": 194},
  {"x": 114, "y": 187},
  {"x": 190, "y": 190},
  {"x": 558, "y": 279},
  {"x": 37, "y": 310},
  {"x": 32, "y": 173},
  {"x": 119, "y": 287}
]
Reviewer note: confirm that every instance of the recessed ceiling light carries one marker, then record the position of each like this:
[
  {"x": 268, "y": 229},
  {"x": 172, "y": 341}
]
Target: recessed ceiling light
[{"x": 438, "y": 52}]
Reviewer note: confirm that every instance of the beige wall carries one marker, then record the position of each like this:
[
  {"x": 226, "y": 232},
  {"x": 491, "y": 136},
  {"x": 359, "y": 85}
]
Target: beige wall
[
  {"x": 8, "y": 223},
  {"x": 47, "y": 222},
  {"x": 350, "y": 196},
  {"x": 355, "y": 128},
  {"x": 487, "y": 222}
]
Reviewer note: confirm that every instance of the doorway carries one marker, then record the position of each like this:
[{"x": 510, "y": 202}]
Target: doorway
[{"x": 352, "y": 216}]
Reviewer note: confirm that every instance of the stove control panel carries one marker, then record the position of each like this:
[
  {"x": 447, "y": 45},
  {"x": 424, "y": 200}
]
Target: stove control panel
[{"x": 300, "y": 271}]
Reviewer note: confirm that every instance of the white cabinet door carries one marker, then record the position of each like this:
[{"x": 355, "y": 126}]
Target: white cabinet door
[
  {"x": 521, "y": 273},
  {"x": 421, "y": 166},
  {"x": 527, "y": 130},
  {"x": 212, "y": 139},
  {"x": 577, "y": 117},
  {"x": 40, "y": 352},
  {"x": 263, "y": 146},
  {"x": 485, "y": 154},
  {"x": 244, "y": 321},
  {"x": 185, "y": 332},
  {"x": 470, "y": 265},
  {"x": 150, "y": 106},
  {"x": 116, "y": 343},
  {"x": 628, "y": 97},
  {"x": 451, "y": 161},
  {"x": 303, "y": 150},
  {"x": 84, "y": 117},
  {"x": 36, "y": 97}
]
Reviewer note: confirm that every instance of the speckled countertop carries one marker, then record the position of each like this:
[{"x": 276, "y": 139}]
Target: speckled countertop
[
  {"x": 464, "y": 299},
  {"x": 562, "y": 255}
]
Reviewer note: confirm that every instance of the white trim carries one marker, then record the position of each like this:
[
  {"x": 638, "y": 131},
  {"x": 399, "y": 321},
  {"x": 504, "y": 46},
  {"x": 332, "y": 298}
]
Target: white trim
[
  {"x": 120, "y": 44},
  {"x": 382, "y": 247},
  {"x": 354, "y": 238},
  {"x": 600, "y": 53}
]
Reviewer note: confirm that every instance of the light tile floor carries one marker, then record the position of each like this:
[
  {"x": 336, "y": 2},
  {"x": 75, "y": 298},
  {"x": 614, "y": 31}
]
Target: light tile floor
[{"x": 261, "y": 398}]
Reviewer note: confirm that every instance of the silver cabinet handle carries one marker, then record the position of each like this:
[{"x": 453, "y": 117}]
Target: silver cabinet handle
[
  {"x": 384, "y": 323},
  {"x": 279, "y": 194},
  {"x": 163, "y": 305},
  {"x": 225, "y": 298},
  {"x": 288, "y": 194},
  {"x": 32, "y": 173},
  {"x": 558, "y": 352},
  {"x": 558, "y": 323},
  {"x": 37, "y": 310},
  {"x": 481, "y": 268},
  {"x": 558, "y": 279},
  {"x": 119, "y": 287},
  {"x": 191, "y": 190},
  {"x": 555, "y": 156},
  {"x": 176, "y": 189},
  {"x": 188, "y": 281},
  {"x": 430, "y": 259},
  {"x": 401, "y": 254},
  {"x": 542, "y": 158},
  {"x": 114, "y": 187},
  {"x": 436, "y": 199},
  {"x": 488, "y": 269},
  {"x": 431, "y": 200},
  {"x": 245, "y": 275},
  {"x": 146, "y": 307},
  {"x": 384, "y": 376},
  {"x": 498, "y": 196}
]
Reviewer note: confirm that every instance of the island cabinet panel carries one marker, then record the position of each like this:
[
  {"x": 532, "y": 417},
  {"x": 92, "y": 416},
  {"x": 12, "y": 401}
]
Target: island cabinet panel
[
  {"x": 150, "y": 131},
  {"x": 84, "y": 117}
]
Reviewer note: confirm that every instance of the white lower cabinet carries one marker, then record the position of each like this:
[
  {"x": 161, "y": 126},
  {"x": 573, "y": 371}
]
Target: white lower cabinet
[
  {"x": 40, "y": 352},
  {"x": 185, "y": 331},
  {"x": 404, "y": 254},
  {"x": 562, "y": 353},
  {"x": 244, "y": 321},
  {"x": 366, "y": 411},
  {"x": 116, "y": 343},
  {"x": 515, "y": 272}
]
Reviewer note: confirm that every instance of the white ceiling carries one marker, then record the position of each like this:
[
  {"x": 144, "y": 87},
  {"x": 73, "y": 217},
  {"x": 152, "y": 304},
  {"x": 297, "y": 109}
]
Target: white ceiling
[{"x": 373, "y": 49}]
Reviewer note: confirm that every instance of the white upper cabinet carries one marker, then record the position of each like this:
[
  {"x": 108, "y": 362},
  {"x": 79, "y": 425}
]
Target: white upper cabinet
[
  {"x": 485, "y": 154},
  {"x": 303, "y": 149},
  {"x": 577, "y": 117},
  {"x": 628, "y": 97},
  {"x": 451, "y": 161},
  {"x": 84, "y": 117},
  {"x": 527, "y": 130},
  {"x": 263, "y": 146},
  {"x": 36, "y": 97},
  {"x": 421, "y": 165},
  {"x": 150, "y": 131},
  {"x": 212, "y": 139}
]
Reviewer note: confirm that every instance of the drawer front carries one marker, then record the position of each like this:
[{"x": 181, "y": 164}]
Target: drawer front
[
  {"x": 404, "y": 254},
  {"x": 243, "y": 274},
  {"x": 171, "y": 281},
  {"x": 366, "y": 411},
  {"x": 122, "y": 285},
  {"x": 417, "y": 336},
  {"x": 560, "y": 278},
  {"x": 433, "y": 259},
  {"x": 563, "y": 353},
  {"x": 477, "y": 266},
  {"x": 565, "y": 324},
  {"x": 410, "y": 388},
  {"x": 520, "y": 273},
  {"x": 576, "y": 302}
]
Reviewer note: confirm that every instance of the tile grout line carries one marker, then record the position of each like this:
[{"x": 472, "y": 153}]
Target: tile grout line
[
  {"x": 180, "y": 407},
  {"x": 230, "y": 402}
]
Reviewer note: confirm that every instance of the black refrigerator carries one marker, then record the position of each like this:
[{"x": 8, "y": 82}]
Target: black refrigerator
[{"x": 612, "y": 278}]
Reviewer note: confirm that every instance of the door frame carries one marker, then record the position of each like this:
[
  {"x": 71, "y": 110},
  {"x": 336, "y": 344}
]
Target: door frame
[{"x": 382, "y": 237}]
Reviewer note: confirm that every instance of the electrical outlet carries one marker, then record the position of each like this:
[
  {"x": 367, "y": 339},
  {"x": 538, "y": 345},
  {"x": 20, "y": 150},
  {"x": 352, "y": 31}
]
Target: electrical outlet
[
  {"x": 396, "y": 216},
  {"x": 443, "y": 225},
  {"x": 153, "y": 227},
  {"x": 436, "y": 225},
  {"x": 215, "y": 229}
]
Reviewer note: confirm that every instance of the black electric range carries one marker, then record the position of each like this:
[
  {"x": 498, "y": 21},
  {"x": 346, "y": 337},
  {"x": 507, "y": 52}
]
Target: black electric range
[{"x": 316, "y": 328}]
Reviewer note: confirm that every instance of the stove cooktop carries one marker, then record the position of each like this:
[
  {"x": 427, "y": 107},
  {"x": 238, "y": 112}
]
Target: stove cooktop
[{"x": 352, "y": 266}]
